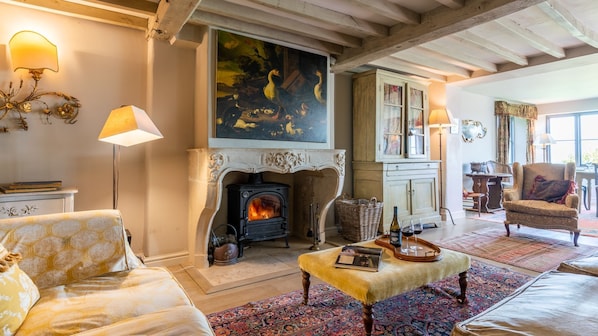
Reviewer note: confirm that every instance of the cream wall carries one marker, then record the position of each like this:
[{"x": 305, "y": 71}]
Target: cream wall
[{"x": 105, "y": 67}]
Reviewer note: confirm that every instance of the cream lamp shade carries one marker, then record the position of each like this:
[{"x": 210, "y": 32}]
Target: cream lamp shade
[
  {"x": 30, "y": 50},
  {"x": 440, "y": 118},
  {"x": 128, "y": 126},
  {"x": 544, "y": 140}
]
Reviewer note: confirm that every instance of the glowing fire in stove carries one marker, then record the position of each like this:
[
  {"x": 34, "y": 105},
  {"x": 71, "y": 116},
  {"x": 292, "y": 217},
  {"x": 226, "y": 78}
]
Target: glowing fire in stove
[{"x": 261, "y": 208}]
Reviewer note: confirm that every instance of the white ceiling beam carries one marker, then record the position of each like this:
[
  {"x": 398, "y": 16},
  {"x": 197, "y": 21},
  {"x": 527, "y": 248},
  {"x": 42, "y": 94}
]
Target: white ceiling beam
[
  {"x": 219, "y": 21},
  {"x": 170, "y": 18},
  {"x": 87, "y": 12},
  {"x": 500, "y": 51},
  {"x": 273, "y": 22},
  {"x": 430, "y": 60},
  {"x": 461, "y": 55},
  {"x": 320, "y": 16},
  {"x": 435, "y": 24},
  {"x": 391, "y": 11},
  {"x": 444, "y": 58},
  {"x": 408, "y": 68},
  {"x": 532, "y": 38},
  {"x": 556, "y": 11},
  {"x": 454, "y": 4}
]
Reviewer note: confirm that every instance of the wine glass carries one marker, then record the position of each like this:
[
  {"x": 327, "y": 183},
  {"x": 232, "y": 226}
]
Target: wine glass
[
  {"x": 418, "y": 227},
  {"x": 407, "y": 231}
]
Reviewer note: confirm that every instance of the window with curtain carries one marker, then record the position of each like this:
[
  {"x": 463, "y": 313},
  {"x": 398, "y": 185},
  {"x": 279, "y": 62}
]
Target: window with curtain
[
  {"x": 518, "y": 140},
  {"x": 575, "y": 136}
]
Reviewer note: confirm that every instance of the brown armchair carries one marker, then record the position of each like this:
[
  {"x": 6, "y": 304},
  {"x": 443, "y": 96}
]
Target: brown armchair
[{"x": 525, "y": 204}]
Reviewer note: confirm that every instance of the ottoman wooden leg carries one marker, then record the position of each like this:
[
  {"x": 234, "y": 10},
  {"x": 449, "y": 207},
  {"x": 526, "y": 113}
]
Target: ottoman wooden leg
[
  {"x": 306, "y": 284},
  {"x": 462, "y": 298},
  {"x": 368, "y": 320}
]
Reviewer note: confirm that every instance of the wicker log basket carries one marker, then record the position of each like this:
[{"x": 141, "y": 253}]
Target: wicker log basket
[{"x": 358, "y": 218}]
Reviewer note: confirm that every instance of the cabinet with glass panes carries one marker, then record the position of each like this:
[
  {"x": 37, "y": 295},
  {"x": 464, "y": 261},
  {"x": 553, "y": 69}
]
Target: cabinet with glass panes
[{"x": 391, "y": 159}]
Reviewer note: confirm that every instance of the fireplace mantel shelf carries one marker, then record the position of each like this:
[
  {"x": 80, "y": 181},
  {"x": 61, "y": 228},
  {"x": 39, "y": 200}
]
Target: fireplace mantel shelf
[{"x": 209, "y": 166}]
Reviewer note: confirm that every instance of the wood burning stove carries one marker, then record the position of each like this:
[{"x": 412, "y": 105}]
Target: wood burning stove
[{"x": 258, "y": 210}]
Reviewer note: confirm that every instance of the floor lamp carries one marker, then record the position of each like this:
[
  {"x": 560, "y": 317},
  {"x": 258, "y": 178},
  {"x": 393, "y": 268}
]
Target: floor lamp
[
  {"x": 126, "y": 126},
  {"x": 544, "y": 140},
  {"x": 440, "y": 119}
]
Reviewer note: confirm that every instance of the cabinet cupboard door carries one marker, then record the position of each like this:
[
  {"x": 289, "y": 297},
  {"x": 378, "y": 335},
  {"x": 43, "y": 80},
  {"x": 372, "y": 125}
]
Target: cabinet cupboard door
[
  {"x": 416, "y": 114},
  {"x": 423, "y": 192},
  {"x": 396, "y": 193},
  {"x": 392, "y": 113}
]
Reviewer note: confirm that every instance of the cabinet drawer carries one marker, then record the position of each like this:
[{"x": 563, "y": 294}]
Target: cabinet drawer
[
  {"x": 393, "y": 169},
  {"x": 32, "y": 207}
]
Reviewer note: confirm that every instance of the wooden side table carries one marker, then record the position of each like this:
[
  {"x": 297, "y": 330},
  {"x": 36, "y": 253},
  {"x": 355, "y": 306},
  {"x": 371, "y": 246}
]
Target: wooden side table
[
  {"x": 490, "y": 185},
  {"x": 37, "y": 203}
]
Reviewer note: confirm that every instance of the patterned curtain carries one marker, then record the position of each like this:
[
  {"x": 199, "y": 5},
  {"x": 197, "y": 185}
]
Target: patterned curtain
[
  {"x": 503, "y": 136},
  {"x": 504, "y": 111},
  {"x": 530, "y": 153}
]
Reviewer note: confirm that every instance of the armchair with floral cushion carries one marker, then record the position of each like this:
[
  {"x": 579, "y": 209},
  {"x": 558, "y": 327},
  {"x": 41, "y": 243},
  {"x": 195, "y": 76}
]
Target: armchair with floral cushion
[{"x": 543, "y": 197}]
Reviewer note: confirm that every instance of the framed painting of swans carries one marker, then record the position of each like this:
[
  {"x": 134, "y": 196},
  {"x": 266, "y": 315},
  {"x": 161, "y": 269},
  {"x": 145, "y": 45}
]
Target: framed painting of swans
[{"x": 267, "y": 91}]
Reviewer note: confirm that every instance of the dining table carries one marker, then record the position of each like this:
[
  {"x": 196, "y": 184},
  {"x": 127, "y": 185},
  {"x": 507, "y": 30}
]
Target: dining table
[{"x": 588, "y": 175}]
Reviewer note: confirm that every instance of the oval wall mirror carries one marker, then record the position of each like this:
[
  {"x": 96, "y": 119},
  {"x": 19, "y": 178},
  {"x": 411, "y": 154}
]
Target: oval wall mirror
[{"x": 471, "y": 129}]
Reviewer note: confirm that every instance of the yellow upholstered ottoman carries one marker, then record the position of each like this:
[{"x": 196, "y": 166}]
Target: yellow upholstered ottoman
[{"x": 394, "y": 277}]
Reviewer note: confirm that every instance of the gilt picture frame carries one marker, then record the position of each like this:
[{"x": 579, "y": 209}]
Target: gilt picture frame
[{"x": 266, "y": 92}]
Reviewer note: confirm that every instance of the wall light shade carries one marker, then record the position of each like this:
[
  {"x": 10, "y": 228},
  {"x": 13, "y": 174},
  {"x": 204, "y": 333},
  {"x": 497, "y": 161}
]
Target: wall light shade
[
  {"x": 32, "y": 51},
  {"x": 440, "y": 118},
  {"x": 128, "y": 126}
]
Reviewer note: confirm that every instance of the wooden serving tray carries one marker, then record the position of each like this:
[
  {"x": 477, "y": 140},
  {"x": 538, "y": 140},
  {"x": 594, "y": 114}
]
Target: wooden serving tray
[{"x": 429, "y": 253}]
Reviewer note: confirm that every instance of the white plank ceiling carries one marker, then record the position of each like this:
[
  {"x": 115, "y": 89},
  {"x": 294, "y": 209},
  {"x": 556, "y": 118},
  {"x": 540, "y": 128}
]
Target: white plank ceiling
[{"x": 531, "y": 51}]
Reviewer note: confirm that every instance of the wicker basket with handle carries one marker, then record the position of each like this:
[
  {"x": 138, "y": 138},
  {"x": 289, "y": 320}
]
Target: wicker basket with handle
[{"x": 359, "y": 218}]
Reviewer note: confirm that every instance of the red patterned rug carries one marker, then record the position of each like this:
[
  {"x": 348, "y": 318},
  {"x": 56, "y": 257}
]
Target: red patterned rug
[
  {"x": 522, "y": 249},
  {"x": 429, "y": 310}
]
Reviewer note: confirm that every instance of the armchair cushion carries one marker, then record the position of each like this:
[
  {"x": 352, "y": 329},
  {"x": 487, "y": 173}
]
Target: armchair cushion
[
  {"x": 551, "y": 190},
  {"x": 540, "y": 208}
]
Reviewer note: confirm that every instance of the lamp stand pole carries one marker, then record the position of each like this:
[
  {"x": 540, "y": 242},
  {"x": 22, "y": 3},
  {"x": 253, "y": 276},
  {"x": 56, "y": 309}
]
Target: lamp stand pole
[
  {"x": 441, "y": 179},
  {"x": 115, "y": 174}
]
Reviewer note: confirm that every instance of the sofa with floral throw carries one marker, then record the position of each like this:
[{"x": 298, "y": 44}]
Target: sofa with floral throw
[{"x": 74, "y": 273}]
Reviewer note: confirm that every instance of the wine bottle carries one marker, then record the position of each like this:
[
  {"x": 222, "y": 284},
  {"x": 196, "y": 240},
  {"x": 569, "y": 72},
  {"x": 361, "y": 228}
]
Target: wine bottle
[{"x": 395, "y": 230}]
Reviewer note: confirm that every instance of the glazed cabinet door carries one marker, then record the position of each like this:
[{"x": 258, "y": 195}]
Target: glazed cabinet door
[
  {"x": 391, "y": 115},
  {"x": 416, "y": 121}
]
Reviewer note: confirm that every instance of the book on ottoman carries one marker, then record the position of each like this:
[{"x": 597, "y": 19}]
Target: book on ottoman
[{"x": 359, "y": 257}]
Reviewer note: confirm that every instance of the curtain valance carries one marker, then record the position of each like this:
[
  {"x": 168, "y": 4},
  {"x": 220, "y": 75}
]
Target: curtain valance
[{"x": 525, "y": 111}]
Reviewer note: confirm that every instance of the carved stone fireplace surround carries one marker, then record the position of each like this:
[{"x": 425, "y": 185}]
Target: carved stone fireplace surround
[{"x": 209, "y": 166}]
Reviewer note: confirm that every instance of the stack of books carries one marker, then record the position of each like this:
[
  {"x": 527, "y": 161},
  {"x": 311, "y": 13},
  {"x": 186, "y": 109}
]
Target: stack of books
[{"x": 25, "y": 187}]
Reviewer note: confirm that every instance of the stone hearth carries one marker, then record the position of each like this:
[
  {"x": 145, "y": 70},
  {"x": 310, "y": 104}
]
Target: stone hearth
[{"x": 318, "y": 177}]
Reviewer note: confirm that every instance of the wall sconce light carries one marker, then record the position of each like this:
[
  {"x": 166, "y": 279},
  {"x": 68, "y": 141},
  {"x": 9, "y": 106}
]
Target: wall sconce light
[{"x": 32, "y": 51}]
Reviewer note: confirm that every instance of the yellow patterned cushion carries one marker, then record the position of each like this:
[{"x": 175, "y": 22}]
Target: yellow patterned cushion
[{"x": 17, "y": 293}]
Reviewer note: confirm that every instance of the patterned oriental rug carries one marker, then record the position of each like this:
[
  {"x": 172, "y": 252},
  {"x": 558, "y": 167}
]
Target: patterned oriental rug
[
  {"x": 522, "y": 249},
  {"x": 429, "y": 310}
]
